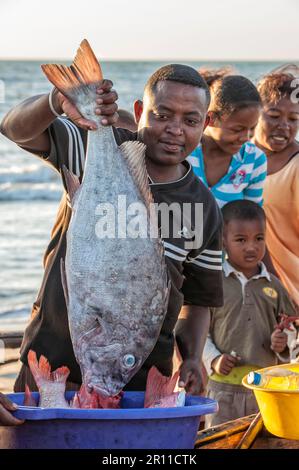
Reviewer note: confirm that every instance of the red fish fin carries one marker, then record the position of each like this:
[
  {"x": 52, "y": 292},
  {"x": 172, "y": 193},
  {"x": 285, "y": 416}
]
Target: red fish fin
[
  {"x": 110, "y": 402},
  {"x": 28, "y": 398},
  {"x": 72, "y": 183},
  {"x": 60, "y": 374},
  {"x": 44, "y": 368},
  {"x": 84, "y": 70},
  {"x": 158, "y": 386},
  {"x": 85, "y": 399},
  {"x": 40, "y": 370}
]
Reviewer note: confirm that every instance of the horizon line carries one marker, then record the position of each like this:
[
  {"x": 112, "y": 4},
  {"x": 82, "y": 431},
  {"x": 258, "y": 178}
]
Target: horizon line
[{"x": 188, "y": 59}]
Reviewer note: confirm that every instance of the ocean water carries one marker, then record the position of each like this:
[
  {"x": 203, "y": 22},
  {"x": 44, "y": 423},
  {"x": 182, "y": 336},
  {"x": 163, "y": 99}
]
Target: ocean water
[{"x": 30, "y": 191}]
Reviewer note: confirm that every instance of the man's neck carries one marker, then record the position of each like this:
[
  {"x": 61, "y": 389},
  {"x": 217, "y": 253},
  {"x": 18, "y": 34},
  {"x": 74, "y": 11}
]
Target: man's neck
[{"x": 165, "y": 174}]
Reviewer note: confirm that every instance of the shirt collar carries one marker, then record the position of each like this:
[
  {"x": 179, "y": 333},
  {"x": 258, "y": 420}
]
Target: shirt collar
[
  {"x": 229, "y": 269},
  {"x": 188, "y": 167}
]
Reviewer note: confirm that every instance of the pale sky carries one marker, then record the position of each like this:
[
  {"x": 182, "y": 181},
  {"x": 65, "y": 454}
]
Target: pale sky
[{"x": 151, "y": 29}]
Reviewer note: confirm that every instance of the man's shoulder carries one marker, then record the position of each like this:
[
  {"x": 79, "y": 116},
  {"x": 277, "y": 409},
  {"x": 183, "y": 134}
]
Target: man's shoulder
[{"x": 123, "y": 135}]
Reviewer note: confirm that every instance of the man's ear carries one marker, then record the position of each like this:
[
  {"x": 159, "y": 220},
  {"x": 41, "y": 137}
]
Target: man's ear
[
  {"x": 210, "y": 119},
  {"x": 207, "y": 121},
  {"x": 138, "y": 108}
]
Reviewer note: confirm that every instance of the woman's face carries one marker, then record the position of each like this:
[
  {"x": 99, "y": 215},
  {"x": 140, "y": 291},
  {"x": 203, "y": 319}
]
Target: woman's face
[
  {"x": 278, "y": 125},
  {"x": 232, "y": 131}
]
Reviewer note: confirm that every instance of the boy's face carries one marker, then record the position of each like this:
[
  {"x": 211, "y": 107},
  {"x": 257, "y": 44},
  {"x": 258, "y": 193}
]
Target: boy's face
[
  {"x": 171, "y": 121},
  {"x": 278, "y": 125},
  {"x": 244, "y": 242}
]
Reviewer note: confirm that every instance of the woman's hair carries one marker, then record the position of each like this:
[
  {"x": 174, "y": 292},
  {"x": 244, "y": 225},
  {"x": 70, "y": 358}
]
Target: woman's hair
[
  {"x": 229, "y": 92},
  {"x": 275, "y": 86}
]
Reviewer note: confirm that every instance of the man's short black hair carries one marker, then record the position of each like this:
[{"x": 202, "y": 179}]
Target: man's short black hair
[
  {"x": 178, "y": 73},
  {"x": 242, "y": 209}
]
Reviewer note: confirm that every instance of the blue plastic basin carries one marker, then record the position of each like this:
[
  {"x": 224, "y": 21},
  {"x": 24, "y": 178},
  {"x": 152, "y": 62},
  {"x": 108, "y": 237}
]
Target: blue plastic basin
[{"x": 131, "y": 427}]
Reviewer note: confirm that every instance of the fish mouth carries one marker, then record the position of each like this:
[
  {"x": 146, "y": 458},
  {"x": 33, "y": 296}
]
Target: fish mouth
[
  {"x": 101, "y": 391},
  {"x": 98, "y": 388}
]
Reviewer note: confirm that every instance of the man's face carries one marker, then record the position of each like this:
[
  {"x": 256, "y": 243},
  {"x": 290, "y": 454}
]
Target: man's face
[{"x": 171, "y": 121}]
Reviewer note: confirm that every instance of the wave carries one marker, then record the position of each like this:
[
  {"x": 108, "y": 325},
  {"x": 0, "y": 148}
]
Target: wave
[
  {"x": 32, "y": 192},
  {"x": 20, "y": 311},
  {"x": 15, "y": 319},
  {"x": 27, "y": 174}
]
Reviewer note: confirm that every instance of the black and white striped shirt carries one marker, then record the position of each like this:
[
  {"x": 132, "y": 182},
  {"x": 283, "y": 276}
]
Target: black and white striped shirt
[{"x": 195, "y": 273}]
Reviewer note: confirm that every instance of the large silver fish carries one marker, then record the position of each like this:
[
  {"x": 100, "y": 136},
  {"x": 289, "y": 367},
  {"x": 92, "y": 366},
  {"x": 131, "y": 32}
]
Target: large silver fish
[{"x": 116, "y": 288}]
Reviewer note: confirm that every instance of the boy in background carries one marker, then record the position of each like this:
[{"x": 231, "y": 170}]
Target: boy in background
[{"x": 243, "y": 334}]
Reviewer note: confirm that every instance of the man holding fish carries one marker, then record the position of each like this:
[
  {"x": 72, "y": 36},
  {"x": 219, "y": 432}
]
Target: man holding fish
[{"x": 118, "y": 331}]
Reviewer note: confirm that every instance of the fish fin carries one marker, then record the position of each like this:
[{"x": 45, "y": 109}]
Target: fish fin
[
  {"x": 38, "y": 374},
  {"x": 134, "y": 154},
  {"x": 72, "y": 183},
  {"x": 28, "y": 397},
  {"x": 109, "y": 402},
  {"x": 64, "y": 281},
  {"x": 85, "y": 70},
  {"x": 85, "y": 399},
  {"x": 60, "y": 374},
  {"x": 158, "y": 386}
]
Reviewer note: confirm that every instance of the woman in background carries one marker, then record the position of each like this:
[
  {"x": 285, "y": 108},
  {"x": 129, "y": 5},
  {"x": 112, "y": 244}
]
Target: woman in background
[
  {"x": 276, "y": 134},
  {"x": 226, "y": 161}
]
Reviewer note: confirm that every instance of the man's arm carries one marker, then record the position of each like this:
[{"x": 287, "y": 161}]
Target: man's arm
[
  {"x": 27, "y": 123},
  {"x": 191, "y": 333}
]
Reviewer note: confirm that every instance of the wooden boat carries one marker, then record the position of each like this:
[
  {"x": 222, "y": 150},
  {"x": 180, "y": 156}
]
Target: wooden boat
[{"x": 243, "y": 433}]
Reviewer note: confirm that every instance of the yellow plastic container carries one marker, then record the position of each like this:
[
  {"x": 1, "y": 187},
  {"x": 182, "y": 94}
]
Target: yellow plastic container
[{"x": 279, "y": 408}]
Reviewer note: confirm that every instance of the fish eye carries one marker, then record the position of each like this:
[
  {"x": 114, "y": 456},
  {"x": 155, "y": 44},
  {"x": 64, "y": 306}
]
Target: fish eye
[{"x": 129, "y": 361}]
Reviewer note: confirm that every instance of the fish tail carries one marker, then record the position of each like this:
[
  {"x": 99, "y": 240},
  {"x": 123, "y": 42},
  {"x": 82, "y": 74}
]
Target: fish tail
[
  {"x": 41, "y": 370},
  {"x": 84, "y": 71}
]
